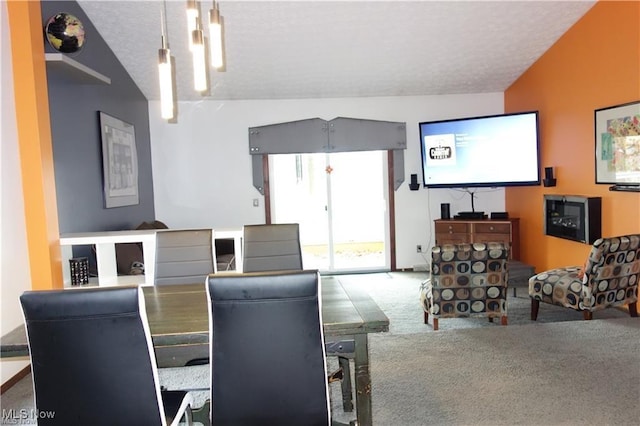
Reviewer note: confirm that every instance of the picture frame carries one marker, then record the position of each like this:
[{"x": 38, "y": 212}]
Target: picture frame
[
  {"x": 119, "y": 162},
  {"x": 617, "y": 144}
]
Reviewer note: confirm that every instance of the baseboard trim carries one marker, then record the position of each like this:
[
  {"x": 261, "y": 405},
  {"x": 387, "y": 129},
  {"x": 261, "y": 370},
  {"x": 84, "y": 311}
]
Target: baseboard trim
[{"x": 15, "y": 379}]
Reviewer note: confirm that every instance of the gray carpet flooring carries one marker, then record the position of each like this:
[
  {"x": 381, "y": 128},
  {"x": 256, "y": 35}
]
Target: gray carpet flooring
[
  {"x": 563, "y": 373},
  {"x": 559, "y": 370},
  {"x": 397, "y": 294}
]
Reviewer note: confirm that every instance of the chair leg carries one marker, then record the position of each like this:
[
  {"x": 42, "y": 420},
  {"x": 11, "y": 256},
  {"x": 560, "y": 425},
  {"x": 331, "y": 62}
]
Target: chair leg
[
  {"x": 201, "y": 415},
  {"x": 503, "y": 320},
  {"x": 535, "y": 305},
  {"x": 588, "y": 315},
  {"x": 426, "y": 317},
  {"x": 188, "y": 416},
  {"x": 435, "y": 324},
  {"x": 633, "y": 309},
  {"x": 347, "y": 395}
]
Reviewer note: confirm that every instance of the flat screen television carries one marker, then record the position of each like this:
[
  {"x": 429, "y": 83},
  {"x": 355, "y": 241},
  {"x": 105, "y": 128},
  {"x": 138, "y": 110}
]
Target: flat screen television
[{"x": 489, "y": 151}]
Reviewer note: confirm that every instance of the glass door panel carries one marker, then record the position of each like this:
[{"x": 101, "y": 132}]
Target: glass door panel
[
  {"x": 339, "y": 201},
  {"x": 299, "y": 195},
  {"x": 358, "y": 210}
]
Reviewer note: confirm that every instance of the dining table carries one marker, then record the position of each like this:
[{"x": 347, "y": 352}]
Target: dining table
[{"x": 178, "y": 319}]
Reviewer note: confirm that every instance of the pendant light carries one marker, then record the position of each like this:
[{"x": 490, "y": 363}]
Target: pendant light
[
  {"x": 215, "y": 37},
  {"x": 166, "y": 75},
  {"x": 199, "y": 60},
  {"x": 193, "y": 16}
]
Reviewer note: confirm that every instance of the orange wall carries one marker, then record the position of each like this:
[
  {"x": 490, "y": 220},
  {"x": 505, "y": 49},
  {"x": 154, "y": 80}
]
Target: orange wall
[
  {"x": 34, "y": 141},
  {"x": 595, "y": 64}
]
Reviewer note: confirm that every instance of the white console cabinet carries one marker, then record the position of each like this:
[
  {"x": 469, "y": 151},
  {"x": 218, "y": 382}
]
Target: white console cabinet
[{"x": 105, "y": 244}]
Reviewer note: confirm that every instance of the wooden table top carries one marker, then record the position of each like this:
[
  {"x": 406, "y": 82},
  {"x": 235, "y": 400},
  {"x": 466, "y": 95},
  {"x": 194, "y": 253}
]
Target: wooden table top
[{"x": 178, "y": 315}]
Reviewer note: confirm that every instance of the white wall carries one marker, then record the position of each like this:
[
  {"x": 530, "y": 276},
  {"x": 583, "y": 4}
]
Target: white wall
[
  {"x": 202, "y": 167},
  {"x": 14, "y": 269}
]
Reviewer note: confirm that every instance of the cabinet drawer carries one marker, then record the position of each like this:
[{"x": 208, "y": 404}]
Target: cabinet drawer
[
  {"x": 451, "y": 228},
  {"x": 492, "y": 238},
  {"x": 453, "y": 238},
  {"x": 492, "y": 228}
]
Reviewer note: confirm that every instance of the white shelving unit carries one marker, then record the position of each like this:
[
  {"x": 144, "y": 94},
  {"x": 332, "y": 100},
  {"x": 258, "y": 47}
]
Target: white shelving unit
[
  {"x": 76, "y": 71},
  {"x": 105, "y": 243}
]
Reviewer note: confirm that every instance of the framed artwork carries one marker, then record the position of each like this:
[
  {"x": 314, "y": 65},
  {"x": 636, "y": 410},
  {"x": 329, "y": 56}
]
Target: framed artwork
[
  {"x": 617, "y": 134},
  {"x": 119, "y": 162}
]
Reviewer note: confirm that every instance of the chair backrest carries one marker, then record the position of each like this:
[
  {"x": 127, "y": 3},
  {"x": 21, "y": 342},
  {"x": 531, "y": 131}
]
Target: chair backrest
[
  {"x": 273, "y": 247},
  {"x": 612, "y": 272},
  {"x": 267, "y": 349},
  {"x": 92, "y": 358},
  {"x": 469, "y": 279},
  {"x": 183, "y": 256}
]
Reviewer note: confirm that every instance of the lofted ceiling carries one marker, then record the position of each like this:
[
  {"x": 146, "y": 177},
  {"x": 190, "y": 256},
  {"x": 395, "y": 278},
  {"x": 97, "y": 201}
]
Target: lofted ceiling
[{"x": 321, "y": 49}]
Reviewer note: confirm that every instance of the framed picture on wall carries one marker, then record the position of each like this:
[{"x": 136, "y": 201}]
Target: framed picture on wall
[
  {"x": 617, "y": 134},
  {"x": 119, "y": 162}
]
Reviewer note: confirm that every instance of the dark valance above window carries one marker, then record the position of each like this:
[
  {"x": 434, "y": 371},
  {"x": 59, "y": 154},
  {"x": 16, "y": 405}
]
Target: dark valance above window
[{"x": 338, "y": 135}]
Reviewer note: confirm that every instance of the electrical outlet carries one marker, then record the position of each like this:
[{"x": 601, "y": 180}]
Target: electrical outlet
[
  {"x": 256, "y": 202},
  {"x": 418, "y": 248}
]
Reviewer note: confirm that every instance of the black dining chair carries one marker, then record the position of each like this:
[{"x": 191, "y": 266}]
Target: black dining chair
[
  {"x": 267, "y": 349},
  {"x": 93, "y": 361},
  {"x": 183, "y": 256},
  {"x": 271, "y": 247},
  {"x": 276, "y": 247}
]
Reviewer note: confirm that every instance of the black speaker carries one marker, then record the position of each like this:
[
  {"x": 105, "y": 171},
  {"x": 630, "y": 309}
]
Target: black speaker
[
  {"x": 414, "y": 185},
  {"x": 548, "y": 180},
  {"x": 548, "y": 172},
  {"x": 445, "y": 211}
]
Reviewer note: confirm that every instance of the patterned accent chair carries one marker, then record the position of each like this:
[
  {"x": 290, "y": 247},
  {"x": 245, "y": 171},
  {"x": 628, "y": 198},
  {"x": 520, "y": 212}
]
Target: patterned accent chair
[
  {"x": 610, "y": 278},
  {"x": 467, "y": 280}
]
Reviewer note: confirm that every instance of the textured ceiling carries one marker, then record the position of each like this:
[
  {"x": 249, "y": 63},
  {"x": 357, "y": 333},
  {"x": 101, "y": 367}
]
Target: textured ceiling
[{"x": 320, "y": 49}]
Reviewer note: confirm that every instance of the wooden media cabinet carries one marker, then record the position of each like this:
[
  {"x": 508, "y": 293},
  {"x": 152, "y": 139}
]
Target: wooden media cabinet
[{"x": 458, "y": 231}]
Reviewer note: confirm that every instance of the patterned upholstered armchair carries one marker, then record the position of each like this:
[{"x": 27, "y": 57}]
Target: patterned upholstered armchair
[
  {"x": 610, "y": 278},
  {"x": 467, "y": 280}
]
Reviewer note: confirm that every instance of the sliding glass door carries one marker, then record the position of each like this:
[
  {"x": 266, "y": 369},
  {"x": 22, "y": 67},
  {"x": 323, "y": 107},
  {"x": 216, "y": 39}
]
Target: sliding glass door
[{"x": 340, "y": 202}]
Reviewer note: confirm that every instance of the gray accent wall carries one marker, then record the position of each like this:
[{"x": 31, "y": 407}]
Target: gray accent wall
[{"x": 75, "y": 131}]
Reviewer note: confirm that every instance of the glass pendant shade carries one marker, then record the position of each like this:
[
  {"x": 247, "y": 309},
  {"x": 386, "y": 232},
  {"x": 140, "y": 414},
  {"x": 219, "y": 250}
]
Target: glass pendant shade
[
  {"x": 193, "y": 15},
  {"x": 215, "y": 38},
  {"x": 166, "y": 84},
  {"x": 199, "y": 61}
]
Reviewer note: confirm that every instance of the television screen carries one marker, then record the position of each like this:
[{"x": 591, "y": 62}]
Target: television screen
[{"x": 489, "y": 151}]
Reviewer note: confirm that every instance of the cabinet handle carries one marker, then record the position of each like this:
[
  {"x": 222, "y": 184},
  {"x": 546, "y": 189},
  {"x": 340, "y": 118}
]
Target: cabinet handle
[{"x": 491, "y": 228}]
